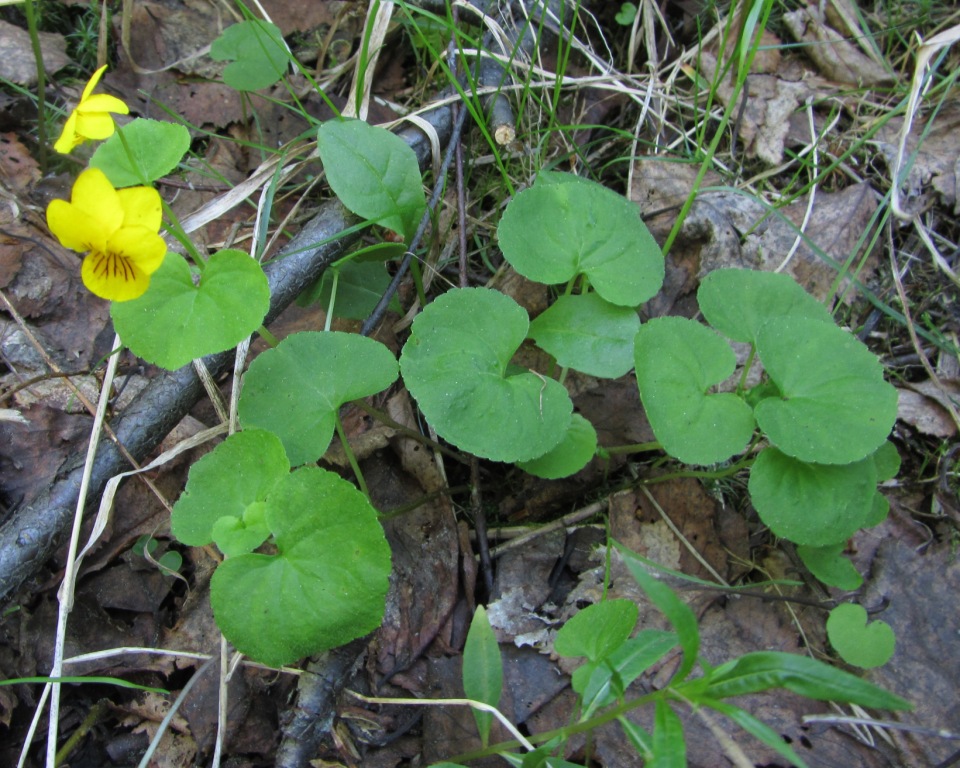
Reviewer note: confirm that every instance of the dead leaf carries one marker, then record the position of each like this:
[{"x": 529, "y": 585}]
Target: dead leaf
[
  {"x": 17, "y": 62},
  {"x": 835, "y": 56},
  {"x": 18, "y": 169},
  {"x": 921, "y": 407}
]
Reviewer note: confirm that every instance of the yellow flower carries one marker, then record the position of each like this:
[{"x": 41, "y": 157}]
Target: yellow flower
[
  {"x": 117, "y": 228},
  {"x": 91, "y": 119}
]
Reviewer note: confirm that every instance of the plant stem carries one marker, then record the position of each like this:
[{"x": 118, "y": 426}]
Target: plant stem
[
  {"x": 635, "y": 448},
  {"x": 348, "y": 451},
  {"x": 31, "y": 15}
]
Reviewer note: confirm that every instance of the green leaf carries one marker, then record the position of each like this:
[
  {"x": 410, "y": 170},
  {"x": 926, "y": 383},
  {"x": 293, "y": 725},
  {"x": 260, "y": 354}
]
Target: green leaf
[
  {"x": 738, "y": 302},
  {"x": 374, "y": 172},
  {"x": 553, "y": 232},
  {"x": 859, "y": 643},
  {"x": 455, "y": 364},
  {"x": 176, "y": 321},
  {"x": 669, "y": 747},
  {"x": 297, "y": 388},
  {"x": 683, "y": 619},
  {"x": 239, "y": 535},
  {"x": 360, "y": 284},
  {"x": 156, "y": 148},
  {"x": 639, "y": 738},
  {"x": 677, "y": 361},
  {"x": 812, "y": 504},
  {"x": 764, "y": 670},
  {"x": 324, "y": 588},
  {"x": 482, "y": 670},
  {"x": 830, "y": 566},
  {"x": 759, "y": 730},
  {"x": 257, "y": 51},
  {"x": 239, "y": 472},
  {"x": 588, "y": 334},
  {"x": 887, "y": 460},
  {"x": 626, "y": 15},
  {"x": 597, "y": 630},
  {"x": 835, "y": 407},
  {"x": 878, "y": 511},
  {"x": 569, "y": 456}
]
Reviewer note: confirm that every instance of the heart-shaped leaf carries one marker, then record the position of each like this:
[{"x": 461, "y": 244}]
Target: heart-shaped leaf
[
  {"x": 455, "y": 364},
  {"x": 834, "y": 406},
  {"x": 677, "y": 360},
  {"x": 374, "y": 172},
  {"x": 553, "y": 232},
  {"x": 239, "y": 535},
  {"x": 239, "y": 472},
  {"x": 830, "y": 566},
  {"x": 297, "y": 388},
  {"x": 812, "y": 504},
  {"x": 176, "y": 321},
  {"x": 737, "y": 302},
  {"x": 148, "y": 150},
  {"x": 859, "y": 643},
  {"x": 588, "y": 334},
  {"x": 571, "y": 455},
  {"x": 325, "y": 587},
  {"x": 258, "y": 54}
]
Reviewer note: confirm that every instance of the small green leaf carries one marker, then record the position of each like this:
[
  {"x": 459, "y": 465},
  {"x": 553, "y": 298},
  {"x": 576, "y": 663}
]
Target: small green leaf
[
  {"x": 455, "y": 364},
  {"x": 859, "y": 643},
  {"x": 553, "y": 232},
  {"x": 677, "y": 361},
  {"x": 297, "y": 388},
  {"x": 878, "y": 511},
  {"x": 669, "y": 747},
  {"x": 812, "y": 504},
  {"x": 482, "y": 669},
  {"x": 569, "y": 456},
  {"x": 764, "y": 670},
  {"x": 830, "y": 566},
  {"x": 679, "y": 615},
  {"x": 360, "y": 284},
  {"x": 155, "y": 148},
  {"x": 887, "y": 460},
  {"x": 176, "y": 321},
  {"x": 324, "y": 588},
  {"x": 588, "y": 334},
  {"x": 835, "y": 407},
  {"x": 257, "y": 51},
  {"x": 598, "y": 630},
  {"x": 239, "y": 535},
  {"x": 239, "y": 472},
  {"x": 738, "y": 302},
  {"x": 626, "y": 15},
  {"x": 759, "y": 730},
  {"x": 374, "y": 172}
]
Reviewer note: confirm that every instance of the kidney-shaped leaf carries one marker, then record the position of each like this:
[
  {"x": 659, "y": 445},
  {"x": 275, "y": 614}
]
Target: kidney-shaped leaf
[
  {"x": 835, "y": 407},
  {"x": 812, "y": 504},
  {"x": 148, "y": 150},
  {"x": 455, "y": 364},
  {"x": 737, "y": 302},
  {"x": 553, "y": 232},
  {"x": 257, "y": 52},
  {"x": 325, "y": 587},
  {"x": 239, "y": 472},
  {"x": 374, "y": 173},
  {"x": 588, "y": 334},
  {"x": 570, "y": 455},
  {"x": 296, "y": 389},
  {"x": 176, "y": 321},
  {"x": 677, "y": 360},
  {"x": 860, "y": 642}
]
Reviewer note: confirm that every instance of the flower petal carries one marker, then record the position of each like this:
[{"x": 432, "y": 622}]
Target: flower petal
[
  {"x": 141, "y": 207},
  {"x": 94, "y": 194},
  {"x": 103, "y": 102},
  {"x": 92, "y": 83},
  {"x": 68, "y": 138},
  {"x": 140, "y": 246},
  {"x": 75, "y": 228},
  {"x": 113, "y": 277},
  {"x": 95, "y": 125}
]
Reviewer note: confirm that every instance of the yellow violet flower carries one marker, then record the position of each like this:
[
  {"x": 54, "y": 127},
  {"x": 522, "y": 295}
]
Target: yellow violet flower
[
  {"x": 91, "y": 119},
  {"x": 117, "y": 228}
]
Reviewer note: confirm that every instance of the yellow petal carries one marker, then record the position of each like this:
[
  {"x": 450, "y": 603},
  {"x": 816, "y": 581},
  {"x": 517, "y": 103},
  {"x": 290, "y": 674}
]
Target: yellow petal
[
  {"x": 95, "y": 125},
  {"x": 94, "y": 194},
  {"x": 144, "y": 248},
  {"x": 68, "y": 139},
  {"x": 74, "y": 228},
  {"x": 141, "y": 207},
  {"x": 92, "y": 83},
  {"x": 113, "y": 277},
  {"x": 103, "y": 102}
]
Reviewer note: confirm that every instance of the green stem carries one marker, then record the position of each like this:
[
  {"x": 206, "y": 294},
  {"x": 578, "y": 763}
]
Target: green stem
[
  {"x": 635, "y": 448},
  {"x": 267, "y": 336},
  {"x": 31, "y": 15},
  {"x": 333, "y": 300},
  {"x": 407, "y": 432},
  {"x": 351, "y": 458}
]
